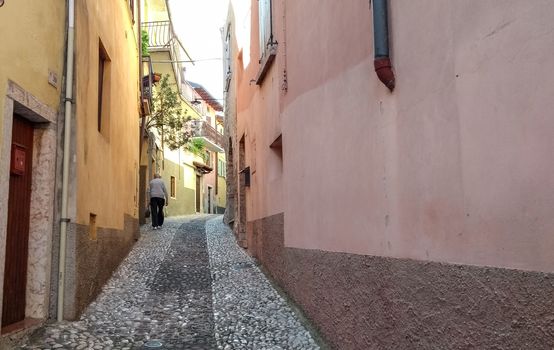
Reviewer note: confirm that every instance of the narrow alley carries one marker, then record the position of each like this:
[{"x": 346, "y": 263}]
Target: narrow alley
[
  {"x": 186, "y": 286},
  {"x": 350, "y": 175}
]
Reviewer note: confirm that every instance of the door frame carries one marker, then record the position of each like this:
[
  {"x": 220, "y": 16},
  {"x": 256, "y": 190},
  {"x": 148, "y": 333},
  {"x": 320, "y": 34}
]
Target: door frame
[
  {"x": 44, "y": 118},
  {"x": 198, "y": 194}
]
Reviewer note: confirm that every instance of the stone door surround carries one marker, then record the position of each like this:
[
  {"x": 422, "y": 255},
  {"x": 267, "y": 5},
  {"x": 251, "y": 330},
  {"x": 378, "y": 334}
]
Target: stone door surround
[{"x": 44, "y": 118}]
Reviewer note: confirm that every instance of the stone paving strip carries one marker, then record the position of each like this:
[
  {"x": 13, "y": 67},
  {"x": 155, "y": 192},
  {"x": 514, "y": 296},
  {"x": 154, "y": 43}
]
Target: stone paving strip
[{"x": 186, "y": 286}]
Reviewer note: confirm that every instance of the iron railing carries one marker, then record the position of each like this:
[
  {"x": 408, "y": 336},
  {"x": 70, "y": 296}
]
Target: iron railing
[{"x": 160, "y": 34}]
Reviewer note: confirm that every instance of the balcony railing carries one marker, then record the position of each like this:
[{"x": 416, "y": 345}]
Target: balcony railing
[
  {"x": 160, "y": 34},
  {"x": 212, "y": 138}
]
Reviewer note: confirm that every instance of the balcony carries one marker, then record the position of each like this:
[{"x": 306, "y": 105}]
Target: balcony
[
  {"x": 160, "y": 34},
  {"x": 213, "y": 140}
]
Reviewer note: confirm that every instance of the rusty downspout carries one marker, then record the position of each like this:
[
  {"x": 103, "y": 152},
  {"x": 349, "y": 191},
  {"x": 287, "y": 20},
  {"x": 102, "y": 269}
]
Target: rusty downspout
[{"x": 382, "y": 63}]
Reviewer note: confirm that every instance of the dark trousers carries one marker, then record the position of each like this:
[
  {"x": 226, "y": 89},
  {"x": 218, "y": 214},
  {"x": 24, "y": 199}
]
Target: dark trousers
[{"x": 157, "y": 211}]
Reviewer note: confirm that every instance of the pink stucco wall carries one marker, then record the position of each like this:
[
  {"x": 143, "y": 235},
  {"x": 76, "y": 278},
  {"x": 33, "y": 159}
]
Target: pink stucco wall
[{"x": 453, "y": 166}]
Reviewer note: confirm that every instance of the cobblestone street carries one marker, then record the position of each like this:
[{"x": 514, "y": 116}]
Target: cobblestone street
[{"x": 186, "y": 286}]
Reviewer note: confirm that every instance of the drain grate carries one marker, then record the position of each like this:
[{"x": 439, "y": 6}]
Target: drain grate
[
  {"x": 242, "y": 265},
  {"x": 153, "y": 344}
]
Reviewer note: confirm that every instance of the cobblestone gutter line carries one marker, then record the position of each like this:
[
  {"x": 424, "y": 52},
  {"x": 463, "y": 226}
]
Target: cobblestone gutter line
[
  {"x": 248, "y": 311},
  {"x": 183, "y": 290}
]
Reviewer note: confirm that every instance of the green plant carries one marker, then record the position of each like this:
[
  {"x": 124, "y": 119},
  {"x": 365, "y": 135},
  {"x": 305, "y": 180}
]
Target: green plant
[
  {"x": 168, "y": 116},
  {"x": 144, "y": 41},
  {"x": 196, "y": 147}
]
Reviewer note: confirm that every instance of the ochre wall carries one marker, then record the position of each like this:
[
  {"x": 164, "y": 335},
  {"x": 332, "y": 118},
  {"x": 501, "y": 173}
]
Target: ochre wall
[
  {"x": 107, "y": 161},
  {"x": 36, "y": 47}
]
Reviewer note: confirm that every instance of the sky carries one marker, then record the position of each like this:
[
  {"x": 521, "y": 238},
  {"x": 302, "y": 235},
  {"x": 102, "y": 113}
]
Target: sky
[{"x": 198, "y": 23}]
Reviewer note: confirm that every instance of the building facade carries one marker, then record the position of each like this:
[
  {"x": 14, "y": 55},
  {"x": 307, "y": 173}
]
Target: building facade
[
  {"x": 103, "y": 186},
  {"x": 101, "y": 223},
  {"x": 407, "y": 219},
  {"x": 32, "y": 37},
  {"x": 208, "y": 129}
]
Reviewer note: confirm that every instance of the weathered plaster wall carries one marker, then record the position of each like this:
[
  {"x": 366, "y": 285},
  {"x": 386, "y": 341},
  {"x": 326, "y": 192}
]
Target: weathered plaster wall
[
  {"x": 106, "y": 161},
  {"x": 452, "y": 166},
  {"x": 104, "y": 164},
  {"x": 92, "y": 262},
  {"x": 369, "y": 302},
  {"x": 258, "y": 119}
]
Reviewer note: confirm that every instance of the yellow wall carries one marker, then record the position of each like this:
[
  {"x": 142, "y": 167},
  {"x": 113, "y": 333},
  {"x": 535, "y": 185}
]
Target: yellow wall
[
  {"x": 165, "y": 69},
  {"x": 107, "y": 161},
  {"x": 155, "y": 10},
  {"x": 32, "y": 42}
]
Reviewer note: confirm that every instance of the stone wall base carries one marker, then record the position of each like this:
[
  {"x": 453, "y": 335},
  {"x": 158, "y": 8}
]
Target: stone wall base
[
  {"x": 369, "y": 302},
  {"x": 90, "y": 263}
]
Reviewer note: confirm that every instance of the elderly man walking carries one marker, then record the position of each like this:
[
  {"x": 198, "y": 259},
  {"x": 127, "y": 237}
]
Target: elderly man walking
[{"x": 158, "y": 197}]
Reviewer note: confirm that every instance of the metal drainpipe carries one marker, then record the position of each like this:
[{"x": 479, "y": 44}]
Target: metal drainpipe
[
  {"x": 382, "y": 63},
  {"x": 66, "y": 152}
]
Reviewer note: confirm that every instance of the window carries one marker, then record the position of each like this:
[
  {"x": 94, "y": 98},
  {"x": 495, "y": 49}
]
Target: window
[
  {"x": 103, "y": 86},
  {"x": 268, "y": 46},
  {"x": 221, "y": 171},
  {"x": 173, "y": 187},
  {"x": 265, "y": 25}
]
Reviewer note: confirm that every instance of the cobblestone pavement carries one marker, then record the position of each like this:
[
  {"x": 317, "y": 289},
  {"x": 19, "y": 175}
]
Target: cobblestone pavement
[{"x": 186, "y": 286}]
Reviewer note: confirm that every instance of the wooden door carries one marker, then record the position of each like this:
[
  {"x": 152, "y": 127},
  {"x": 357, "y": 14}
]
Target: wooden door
[{"x": 17, "y": 241}]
